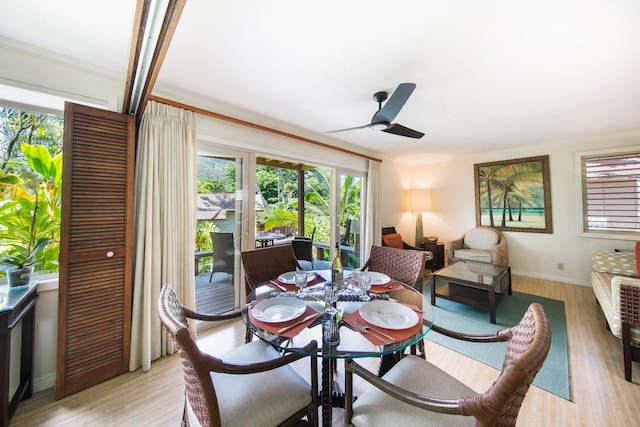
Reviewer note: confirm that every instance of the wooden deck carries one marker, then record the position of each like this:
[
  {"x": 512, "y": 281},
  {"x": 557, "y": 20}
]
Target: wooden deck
[
  {"x": 214, "y": 297},
  {"x": 217, "y": 296}
]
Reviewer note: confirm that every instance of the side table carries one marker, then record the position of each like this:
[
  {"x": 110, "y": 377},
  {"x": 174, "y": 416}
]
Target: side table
[
  {"x": 438, "y": 253},
  {"x": 16, "y": 304}
]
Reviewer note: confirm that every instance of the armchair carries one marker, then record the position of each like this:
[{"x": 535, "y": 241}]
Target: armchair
[
  {"x": 391, "y": 238},
  {"x": 484, "y": 244},
  {"x": 404, "y": 395}
]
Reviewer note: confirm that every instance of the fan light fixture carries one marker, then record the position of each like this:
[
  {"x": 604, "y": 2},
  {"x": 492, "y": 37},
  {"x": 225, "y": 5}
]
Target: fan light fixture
[{"x": 379, "y": 126}]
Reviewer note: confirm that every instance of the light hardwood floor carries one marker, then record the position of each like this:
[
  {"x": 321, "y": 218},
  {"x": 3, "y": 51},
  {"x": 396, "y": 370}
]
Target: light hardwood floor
[{"x": 600, "y": 395}]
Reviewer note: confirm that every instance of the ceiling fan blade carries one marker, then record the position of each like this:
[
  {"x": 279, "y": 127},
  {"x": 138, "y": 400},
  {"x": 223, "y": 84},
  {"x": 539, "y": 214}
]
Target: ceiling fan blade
[
  {"x": 393, "y": 106},
  {"x": 343, "y": 130},
  {"x": 402, "y": 131}
]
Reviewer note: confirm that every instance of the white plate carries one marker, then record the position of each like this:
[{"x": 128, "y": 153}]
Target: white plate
[
  {"x": 388, "y": 314},
  {"x": 290, "y": 277},
  {"x": 379, "y": 278},
  {"x": 280, "y": 309}
]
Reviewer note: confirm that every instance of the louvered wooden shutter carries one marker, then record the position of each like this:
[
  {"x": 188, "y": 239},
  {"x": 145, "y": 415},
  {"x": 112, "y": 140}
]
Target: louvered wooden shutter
[{"x": 94, "y": 312}]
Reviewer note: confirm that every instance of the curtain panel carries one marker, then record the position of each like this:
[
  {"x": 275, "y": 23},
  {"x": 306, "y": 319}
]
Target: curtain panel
[
  {"x": 164, "y": 224},
  {"x": 373, "y": 231}
]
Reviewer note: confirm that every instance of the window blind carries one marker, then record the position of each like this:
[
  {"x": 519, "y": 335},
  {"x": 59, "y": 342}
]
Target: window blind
[{"x": 612, "y": 197}]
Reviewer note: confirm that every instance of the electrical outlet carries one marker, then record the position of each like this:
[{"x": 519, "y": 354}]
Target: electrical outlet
[{"x": 561, "y": 266}]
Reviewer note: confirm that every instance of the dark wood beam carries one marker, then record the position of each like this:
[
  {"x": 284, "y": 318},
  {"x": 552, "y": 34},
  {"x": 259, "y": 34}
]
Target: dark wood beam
[{"x": 245, "y": 123}]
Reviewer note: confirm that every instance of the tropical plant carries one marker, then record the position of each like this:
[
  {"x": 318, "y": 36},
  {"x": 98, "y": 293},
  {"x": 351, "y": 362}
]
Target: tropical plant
[{"x": 30, "y": 210}]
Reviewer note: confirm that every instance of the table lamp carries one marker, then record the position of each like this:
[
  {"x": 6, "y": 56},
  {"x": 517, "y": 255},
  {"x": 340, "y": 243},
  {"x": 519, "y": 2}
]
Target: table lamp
[{"x": 420, "y": 202}]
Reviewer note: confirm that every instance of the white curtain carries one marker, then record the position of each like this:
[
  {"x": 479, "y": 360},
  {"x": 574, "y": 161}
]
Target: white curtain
[
  {"x": 373, "y": 230},
  {"x": 164, "y": 224}
]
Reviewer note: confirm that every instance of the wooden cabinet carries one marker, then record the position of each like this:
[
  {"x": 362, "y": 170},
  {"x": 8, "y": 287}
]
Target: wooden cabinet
[
  {"x": 17, "y": 307},
  {"x": 438, "y": 253}
]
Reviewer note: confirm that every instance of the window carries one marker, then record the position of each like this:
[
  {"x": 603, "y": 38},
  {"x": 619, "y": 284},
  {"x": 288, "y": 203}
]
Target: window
[{"x": 611, "y": 196}]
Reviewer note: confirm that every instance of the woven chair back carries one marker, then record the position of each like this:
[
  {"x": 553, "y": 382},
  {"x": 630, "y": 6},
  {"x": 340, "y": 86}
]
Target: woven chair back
[
  {"x": 404, "y": 265},
  {"x": 199, "y": 388},
  {"x": 263, "y": 264},
  {"x": 529, "y": 343}
]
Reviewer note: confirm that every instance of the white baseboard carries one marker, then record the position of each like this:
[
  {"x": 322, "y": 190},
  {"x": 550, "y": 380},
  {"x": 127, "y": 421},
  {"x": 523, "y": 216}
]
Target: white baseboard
[
  {"x": 562, "y": 279},
  {"x": 44, "y": 382}
]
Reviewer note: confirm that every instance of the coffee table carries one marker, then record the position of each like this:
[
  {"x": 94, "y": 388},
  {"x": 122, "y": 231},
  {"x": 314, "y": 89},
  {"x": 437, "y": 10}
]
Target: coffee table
[{"x": 470, "y": 282}]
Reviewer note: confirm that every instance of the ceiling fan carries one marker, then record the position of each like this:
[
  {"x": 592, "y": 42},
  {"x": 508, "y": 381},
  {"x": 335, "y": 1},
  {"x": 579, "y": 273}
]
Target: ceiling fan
[{"x": 382, "y": 119}]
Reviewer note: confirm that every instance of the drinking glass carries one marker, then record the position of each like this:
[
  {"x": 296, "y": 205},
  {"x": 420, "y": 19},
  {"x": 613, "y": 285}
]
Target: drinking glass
[
  {"x": 330, "y": 328},
  {"x": 364, "y": 282},
  {"x": 301, "y": 281},
  {"x": 330, "y": 297}
]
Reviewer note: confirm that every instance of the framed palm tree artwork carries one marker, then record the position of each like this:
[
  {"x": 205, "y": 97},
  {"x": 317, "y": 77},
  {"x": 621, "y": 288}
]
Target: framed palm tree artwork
[{"x": 514, "y": 195}]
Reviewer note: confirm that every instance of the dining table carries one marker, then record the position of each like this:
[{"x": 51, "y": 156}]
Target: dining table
[{"x": 391, "y": 317}]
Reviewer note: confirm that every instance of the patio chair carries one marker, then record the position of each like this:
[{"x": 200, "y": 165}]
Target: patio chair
[
  {"x": 406, "y": 394},
  {"x": 303, "y": 247},
  {"x": 223, "y": 254},
  {"x": 252, "y": 385}
]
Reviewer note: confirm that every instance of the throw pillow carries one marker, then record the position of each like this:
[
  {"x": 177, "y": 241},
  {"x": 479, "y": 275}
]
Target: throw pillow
[
  {"x": 393, "y": 240},
  {"x": 638, "y": 258}
]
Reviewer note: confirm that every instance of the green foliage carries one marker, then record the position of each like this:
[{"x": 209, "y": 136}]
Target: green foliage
[
  {"x": 20, "y": 127},
  {"x": 203, "y": 242},
  {"x": 30, "y": 200},
  {"x": 284, "y": 212}
]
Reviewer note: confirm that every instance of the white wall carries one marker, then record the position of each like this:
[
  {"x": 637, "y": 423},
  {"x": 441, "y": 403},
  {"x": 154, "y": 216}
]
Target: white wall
[{"x": 530, "y": 254}]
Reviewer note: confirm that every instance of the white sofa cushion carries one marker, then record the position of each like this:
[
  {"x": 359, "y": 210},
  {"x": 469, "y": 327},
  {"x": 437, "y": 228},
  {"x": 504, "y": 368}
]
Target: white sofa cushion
[{"x": 481, "y": 238}]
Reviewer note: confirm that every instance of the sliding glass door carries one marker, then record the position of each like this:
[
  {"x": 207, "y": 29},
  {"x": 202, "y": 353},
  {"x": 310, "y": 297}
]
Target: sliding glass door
[
  {"x": 349, "y": 188},
  {"x": 221, "y": 214}
]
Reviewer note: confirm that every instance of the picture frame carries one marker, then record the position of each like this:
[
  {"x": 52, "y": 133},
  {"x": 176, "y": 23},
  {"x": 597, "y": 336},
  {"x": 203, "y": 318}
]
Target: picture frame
[{"x": 514, "y": 195}]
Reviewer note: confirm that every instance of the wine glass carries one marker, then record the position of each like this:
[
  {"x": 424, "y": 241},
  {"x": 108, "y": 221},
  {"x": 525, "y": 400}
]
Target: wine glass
[
  {"x": 301, "y": 281},
  {"x": 364, "y": 282}
]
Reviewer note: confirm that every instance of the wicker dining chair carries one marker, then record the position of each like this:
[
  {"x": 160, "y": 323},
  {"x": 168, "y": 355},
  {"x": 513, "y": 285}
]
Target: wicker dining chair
[
  {"x": 404, "y": 395},
  {"x": 403, "y": 265},
  {"x": 264, "y": 264},
  {"x": 252, "y": 385}
]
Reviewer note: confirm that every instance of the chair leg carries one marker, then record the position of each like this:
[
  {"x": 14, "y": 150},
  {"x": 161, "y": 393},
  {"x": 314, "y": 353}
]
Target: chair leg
[{"x": 626, "y": 350}]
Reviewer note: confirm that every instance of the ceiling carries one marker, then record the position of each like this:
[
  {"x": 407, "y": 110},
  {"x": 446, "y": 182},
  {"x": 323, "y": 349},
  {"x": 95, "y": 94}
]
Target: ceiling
[{"x": 490, "y": 74}]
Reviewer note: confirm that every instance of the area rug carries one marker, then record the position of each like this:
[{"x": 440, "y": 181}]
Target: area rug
[{"x": 554, "y": 374}]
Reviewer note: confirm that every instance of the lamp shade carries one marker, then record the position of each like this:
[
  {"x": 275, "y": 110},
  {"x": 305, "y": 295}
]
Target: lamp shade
[{"x": 420, "y": 200}]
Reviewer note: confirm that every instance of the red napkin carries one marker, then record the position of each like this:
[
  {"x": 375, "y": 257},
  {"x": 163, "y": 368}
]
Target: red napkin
[
  {"x": 291, "y": 287},
  {"x": 275, "y": 327},
  {"x": 388, "y": 287},
  {"x": 397, "y": 334}
]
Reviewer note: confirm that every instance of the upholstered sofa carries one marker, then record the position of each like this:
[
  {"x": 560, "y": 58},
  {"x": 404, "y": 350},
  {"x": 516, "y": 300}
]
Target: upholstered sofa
[
  {"x": 483, "y": 244},
  {"x": 611, "y": 270}
]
